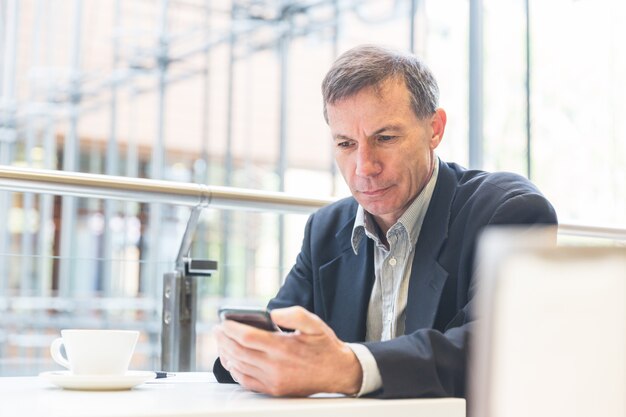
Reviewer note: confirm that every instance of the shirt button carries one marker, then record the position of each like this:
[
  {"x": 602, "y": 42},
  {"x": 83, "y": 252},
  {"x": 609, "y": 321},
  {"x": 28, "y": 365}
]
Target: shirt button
[{"x": 392, "y": 261}]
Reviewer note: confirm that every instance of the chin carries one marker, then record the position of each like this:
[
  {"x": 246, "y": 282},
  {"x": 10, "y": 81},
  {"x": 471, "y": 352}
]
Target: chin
[{"x": 377, "y": 210}]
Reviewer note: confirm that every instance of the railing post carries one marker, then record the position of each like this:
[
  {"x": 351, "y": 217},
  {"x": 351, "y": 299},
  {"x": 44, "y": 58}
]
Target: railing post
[
  {"x": 178, "y": 338},
  {"x": 170, "y": 327},
  {"x": 178, "y": 320}
]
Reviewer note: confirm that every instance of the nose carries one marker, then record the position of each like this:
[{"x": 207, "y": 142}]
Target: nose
[{"x": 367, "y": 163}]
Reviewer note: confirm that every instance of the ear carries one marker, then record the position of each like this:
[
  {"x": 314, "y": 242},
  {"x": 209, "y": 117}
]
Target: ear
[{"x": 438, "y": 126}]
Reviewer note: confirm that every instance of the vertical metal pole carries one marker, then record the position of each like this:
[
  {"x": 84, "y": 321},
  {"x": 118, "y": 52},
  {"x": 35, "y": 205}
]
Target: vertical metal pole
[
  {"x": 27, "y": 281},
  {"x": 7, "y": 86},
  {"x": 283, "y": 73},
  {"x": 112, "y": 156},
  {"x": 201, "y": 166},
  {"x": 228, "y": 158},
  {"x": 172, "y": 282},
  {"x": 30, "y": 284},
  {"x": 169, "y": 327},
  {"x": 158, "y": 152},
  {"x": 420, "y": 27},
  {"x": 70, "y": 163},
  {"x": 187, "y": 323},
  {"x": 132, "y": 209},
  {"x": 132, "y": 155},
  {"x": 528, "y": 92},
  {"x": 3, "y": 24},
  {"x": 206, "y": 97},
  {"x": 245, "y": 111},
  {"x": 7, "y": 120},
  {"x": 178, "y": 335},
  {"x": 476, "y": 84},
  {"x": 132, "y": 162},
  {"x": 46, "y": 227},
  {"x": 46, "y": 201},
  {"x": 178, "y": 331},
  {"x": 412, "y": 26}
]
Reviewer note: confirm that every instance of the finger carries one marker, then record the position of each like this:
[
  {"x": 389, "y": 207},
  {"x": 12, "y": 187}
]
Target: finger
[
  {"x": 222, "y": 342},
  {"x": 216, "y": 331},
  {"x": 228, "y": 349},
  {"x": 248, "y": 381},
  {"x": 221, "y": 337},
  {"x": 298, "y": 318},
  {"x": 242, "y": 367},
  {"x": 225, "y": 362},
  {"x": 247, "y": 360},
  {"x": 247, "y": 336}
]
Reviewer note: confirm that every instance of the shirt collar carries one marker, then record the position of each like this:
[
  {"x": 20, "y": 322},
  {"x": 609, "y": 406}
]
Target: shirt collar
[{"x": 411, "y": 219}]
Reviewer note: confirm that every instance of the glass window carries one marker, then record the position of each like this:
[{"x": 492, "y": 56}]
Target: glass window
[{"x": 578, "y": 129}]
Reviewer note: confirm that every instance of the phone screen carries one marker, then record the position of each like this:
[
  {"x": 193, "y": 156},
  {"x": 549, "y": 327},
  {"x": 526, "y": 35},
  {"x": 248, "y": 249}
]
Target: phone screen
[{"x": 259, "y": 318}]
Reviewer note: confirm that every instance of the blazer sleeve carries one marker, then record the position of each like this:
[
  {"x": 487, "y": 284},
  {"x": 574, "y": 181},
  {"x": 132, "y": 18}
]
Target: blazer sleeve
[
  {"x": 221, "y": 374},
  {"x": 433, "y": 363}
]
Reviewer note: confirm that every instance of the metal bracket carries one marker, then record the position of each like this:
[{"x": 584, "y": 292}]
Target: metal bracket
[{"x": 178, "y": 334}]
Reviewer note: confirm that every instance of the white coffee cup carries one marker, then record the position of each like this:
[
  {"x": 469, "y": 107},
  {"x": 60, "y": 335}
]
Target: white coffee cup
[{"x": 95, "y": 352}]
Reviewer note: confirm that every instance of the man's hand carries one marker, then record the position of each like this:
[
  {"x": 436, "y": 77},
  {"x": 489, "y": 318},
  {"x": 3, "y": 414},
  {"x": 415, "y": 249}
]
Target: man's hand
[{"x": 311, "y": 359}]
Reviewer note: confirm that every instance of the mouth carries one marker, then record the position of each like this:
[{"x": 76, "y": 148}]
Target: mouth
[{"x": 375, "y": 193}]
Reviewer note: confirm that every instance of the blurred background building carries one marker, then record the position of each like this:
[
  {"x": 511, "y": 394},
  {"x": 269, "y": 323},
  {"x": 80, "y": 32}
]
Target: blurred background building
[{"x": 227, "y": 92}]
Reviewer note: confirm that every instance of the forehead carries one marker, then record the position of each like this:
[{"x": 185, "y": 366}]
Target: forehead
[
  {"x": 391, "y": 86},
  {"x": 385, "y": 103}
]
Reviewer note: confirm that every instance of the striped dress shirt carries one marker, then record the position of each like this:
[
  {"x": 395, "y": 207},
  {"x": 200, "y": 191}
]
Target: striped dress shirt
[{"x": 392, "y": 269}]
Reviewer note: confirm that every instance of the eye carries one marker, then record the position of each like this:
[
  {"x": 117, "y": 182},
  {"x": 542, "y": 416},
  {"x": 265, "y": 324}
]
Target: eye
[
  {"x": 344, "y": 144},
  {"x": 386, "y": 138}
]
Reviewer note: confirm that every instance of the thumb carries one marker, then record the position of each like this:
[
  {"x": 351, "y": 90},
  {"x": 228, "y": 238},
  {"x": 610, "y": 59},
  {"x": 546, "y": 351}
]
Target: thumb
[{"x": 298, "y": 318}]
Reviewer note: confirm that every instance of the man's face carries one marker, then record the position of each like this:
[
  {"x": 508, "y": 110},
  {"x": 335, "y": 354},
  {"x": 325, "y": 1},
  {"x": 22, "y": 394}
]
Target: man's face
[{"x": 385, "y": 153}]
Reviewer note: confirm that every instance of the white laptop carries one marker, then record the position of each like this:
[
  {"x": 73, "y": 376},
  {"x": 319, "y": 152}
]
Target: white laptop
[{"x": 551, "y": 331}]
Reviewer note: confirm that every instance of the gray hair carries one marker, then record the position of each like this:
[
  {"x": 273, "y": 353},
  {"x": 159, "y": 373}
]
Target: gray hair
[{"x": 369, "y": 66}]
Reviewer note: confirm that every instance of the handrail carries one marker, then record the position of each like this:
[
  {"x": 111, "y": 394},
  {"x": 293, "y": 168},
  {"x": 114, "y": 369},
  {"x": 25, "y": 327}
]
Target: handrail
[
  {"x": 152, "y": 191},
  {"x": 601, "y": 232},
  {"x": 189, "y": 194}
]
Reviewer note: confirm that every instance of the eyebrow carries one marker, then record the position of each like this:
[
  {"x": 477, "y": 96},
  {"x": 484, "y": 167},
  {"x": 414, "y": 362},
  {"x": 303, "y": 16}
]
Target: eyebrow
[
  {"x": 341, "y": 137},
  {"x": 385, "y": 128}
]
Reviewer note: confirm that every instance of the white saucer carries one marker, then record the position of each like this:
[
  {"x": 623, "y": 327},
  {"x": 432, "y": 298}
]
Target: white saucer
[{"x": 67, "y": 380}]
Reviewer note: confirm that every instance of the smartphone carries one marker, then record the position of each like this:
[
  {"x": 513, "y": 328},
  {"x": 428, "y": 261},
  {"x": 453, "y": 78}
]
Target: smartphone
[{"x": 256, "y": 317}]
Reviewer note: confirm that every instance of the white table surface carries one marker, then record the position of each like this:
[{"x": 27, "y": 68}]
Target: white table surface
[{"x": 197, "y": 394}]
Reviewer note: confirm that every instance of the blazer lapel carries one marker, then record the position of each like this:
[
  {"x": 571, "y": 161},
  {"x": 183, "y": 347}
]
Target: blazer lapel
[
  {"x": 427, "y": 276},
  {"x": 346, "y": 285}
]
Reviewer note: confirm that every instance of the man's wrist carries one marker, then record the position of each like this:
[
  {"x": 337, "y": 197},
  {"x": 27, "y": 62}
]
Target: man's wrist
[
  {"x": 351, "y": 384},
  {"x": 371, "y": 379}
]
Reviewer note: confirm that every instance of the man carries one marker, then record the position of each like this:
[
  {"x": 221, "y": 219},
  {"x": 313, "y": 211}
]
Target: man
[{"x": 381, "y": 291}]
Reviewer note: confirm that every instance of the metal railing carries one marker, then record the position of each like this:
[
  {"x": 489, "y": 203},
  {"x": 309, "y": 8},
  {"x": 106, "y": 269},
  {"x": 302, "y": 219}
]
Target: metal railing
[
  {"x": 198, "y": 195},
  {"x": 179, "y": 299},
  {"x": 601, "y": 232},
  {"x": 152, "y": 191}
]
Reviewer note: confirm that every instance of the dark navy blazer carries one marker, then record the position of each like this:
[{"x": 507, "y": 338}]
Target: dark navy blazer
[{"x": 430, "y": 359}]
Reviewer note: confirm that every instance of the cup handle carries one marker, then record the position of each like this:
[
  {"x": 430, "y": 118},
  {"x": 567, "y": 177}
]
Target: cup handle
[{"x": 55, "y": 351}]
